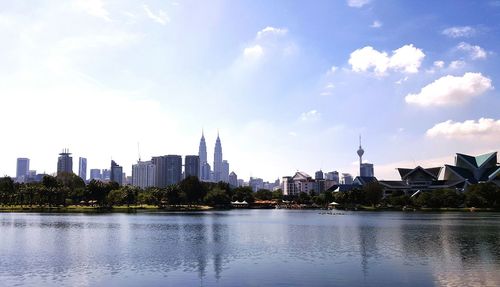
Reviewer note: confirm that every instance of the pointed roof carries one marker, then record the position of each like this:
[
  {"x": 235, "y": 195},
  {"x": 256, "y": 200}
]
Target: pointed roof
[
  {"x": 433, "y": 171},
  {"x": 300, "y": 175},
  {"x": 477, "y": 161}
]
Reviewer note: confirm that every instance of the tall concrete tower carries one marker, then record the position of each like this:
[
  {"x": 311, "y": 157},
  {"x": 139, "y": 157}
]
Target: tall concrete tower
[
  {"x": 202, "y": 153},
  {"x": 360, "y": 154},
  {"x": 217, "y": 160}
]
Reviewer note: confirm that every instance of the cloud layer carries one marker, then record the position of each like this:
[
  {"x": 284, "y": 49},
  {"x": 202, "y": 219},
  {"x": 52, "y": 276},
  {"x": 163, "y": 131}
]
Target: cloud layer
[
  {"x": 451, "y": 90},
  {"x": 484, "y": 128},
  {"x": 459, "y": 32},
  {"x": 406, "y": 59}
]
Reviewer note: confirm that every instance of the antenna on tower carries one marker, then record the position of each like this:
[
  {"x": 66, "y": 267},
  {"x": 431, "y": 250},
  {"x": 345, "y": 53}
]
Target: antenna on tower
[
  {"x": 138, "y": 151},
  {"x": 360, "y": 140}
]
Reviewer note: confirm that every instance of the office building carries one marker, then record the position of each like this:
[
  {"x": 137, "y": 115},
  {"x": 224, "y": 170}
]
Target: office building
[
  {"x": 256, "y": 183},
  {"x": 82, "y": 168},
  {"x": 233, "y": 179},
  {"x": 319, "y": 175},
  {"x": 22, "y": 169},
  {"x": 225, "y": 171},
  {"x": 95, "y": 173},
  {"x": 366, "y": 170},
  {"x": 174, "y": 169},
  {"x": 346, "y": 178},
  {"x": 64, "y": 162},
  {"x": 143, "y": 174},
  {"x": 191, "y": 166},
  {"x": 116, "y": 173},
  {"x": 333, "y": 175}
]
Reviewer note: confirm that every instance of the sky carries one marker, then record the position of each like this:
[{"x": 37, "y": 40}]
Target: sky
[{"x": 289, "y": 85}]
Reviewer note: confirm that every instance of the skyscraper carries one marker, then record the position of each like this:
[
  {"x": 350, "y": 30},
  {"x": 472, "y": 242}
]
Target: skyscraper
[
  {"x": 82, "y": 168},
  {"x": 360, "y": 152},
  {"x": 191, "y": 166},
  {"x": 160, "y": 163},
  {"x": 202, "y": 153},
  {"x": 217, "y": 160},
  {"x": 366, "y": 170},
  {"x": 116, "y": 173},
  {"x": 22, "y": 169},
  {"x": 65, "y": 162},
  {"x": 143, "y": 174},
  {"x": 174, "y": 169},
  {"x": 225, "y": 171},
  {"x": 233, "y": 179},
  {"x": 95, "y": 173},
  {"x": 318, "y": 175}
]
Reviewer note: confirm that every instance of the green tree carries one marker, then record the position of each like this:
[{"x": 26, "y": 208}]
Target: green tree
[
  {"x": 278, "y": 194},
  {"x": 243, "y": 193},
  {"x": 217, "y": 197},
  {"x": 193, "y": 189},
  {"x": 116, "y": 197},
  {"x": 263, "y": 194},
  {"x": 373, "y": 193}
]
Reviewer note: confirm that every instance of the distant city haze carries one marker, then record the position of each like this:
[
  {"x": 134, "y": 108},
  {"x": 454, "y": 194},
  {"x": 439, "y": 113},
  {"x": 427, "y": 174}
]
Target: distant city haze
[{"x": 287, "y": 87}]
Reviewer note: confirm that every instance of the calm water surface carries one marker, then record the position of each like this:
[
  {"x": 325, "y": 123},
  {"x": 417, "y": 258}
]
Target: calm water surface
[{"x": 250, "y": 248}]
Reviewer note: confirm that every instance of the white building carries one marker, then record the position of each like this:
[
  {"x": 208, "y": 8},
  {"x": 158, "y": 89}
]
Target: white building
[{"x": 143, "y": 174}]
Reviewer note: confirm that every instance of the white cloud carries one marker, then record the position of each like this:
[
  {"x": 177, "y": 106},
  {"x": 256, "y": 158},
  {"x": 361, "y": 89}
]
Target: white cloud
[
  {"x": 161, "y": 18},
  {"x": 376, "y": 24},
  {"x": 329, "y": 86},
  {"x": 292, "y": 134},
  {"x": 94, "y": 8},
  {"x": 333, "y": 69},
  {"x": 357, "y": 3},
  {"x": 454, "y": 65},
  {"x": 271, "y": 31},
  {"x": 406, "y": 59},
  {"x": 459, "y": 31},
  {"x": 402, "y": 80},
  {"x": 438, "y": 64},
  {"x": 451, "y": 90},
  {"x": 253, "y": 52},
  {"x": 310, "y": 116},
  {"x": 470, "y": 129},
  {"x": 475, "y": 52}
]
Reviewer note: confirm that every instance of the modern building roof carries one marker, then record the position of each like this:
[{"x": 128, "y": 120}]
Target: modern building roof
[{"x": 433, "y": 171}]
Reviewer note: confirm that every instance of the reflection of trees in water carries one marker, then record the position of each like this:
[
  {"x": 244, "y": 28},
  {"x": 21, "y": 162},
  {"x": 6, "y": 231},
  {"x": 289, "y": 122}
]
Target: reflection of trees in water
[{"x": 459, "y": 253}]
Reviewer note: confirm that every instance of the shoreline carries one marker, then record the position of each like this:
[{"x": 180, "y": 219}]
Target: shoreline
[{"x": 195, "y": 208}]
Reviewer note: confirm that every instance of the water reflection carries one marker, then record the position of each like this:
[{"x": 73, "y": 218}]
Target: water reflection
[{"x": 250, "y": 247}]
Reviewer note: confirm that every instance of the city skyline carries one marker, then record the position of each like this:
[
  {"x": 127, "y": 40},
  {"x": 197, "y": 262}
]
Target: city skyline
[{"x": 290, "y": 88}]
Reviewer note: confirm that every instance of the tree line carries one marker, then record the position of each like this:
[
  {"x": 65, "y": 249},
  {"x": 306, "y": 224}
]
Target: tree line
[{"x": 69, "y": 189}]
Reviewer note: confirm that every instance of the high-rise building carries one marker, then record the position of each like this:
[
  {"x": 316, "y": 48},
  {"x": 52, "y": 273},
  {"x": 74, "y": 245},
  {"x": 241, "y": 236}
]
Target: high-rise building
[
  {"x": 367, "y": 170},
  {"x": 143, "y": 174},
  {"x": 233, "y": 179},
  {"x": 106, "y": 174},
  {"x": 217, "y": 160},
  {"x": 82, "y": 168},
  {"x": 116, "y": 173},
  {"x": 191, "y": 166},
  {"x": 225, "y": 171},
  {"x": 22, "y": 169},
  {"x": 95, "y": 173},
  {"x": 202, "y": 153},
  {"x": 333, "y": 175},
  {"x": 346, "y": 178},
  {"x": 318, "y": 175},
  {"x": 160, "y": 163},
  {"x": 256, "y": 183},
  {"x": 65, "y": 162},
  {"x": 174, "y": 169}
]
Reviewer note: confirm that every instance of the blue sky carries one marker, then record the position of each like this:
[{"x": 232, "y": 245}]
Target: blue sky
[{"x": 289, "y": 84}]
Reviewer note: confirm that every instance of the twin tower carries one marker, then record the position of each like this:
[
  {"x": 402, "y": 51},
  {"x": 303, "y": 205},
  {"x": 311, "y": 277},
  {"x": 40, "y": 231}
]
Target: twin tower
[{"x": 220, "y": 170}]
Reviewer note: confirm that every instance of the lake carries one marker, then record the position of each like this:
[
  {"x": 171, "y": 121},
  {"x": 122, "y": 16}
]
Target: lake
[{"x": 250, "y": 248}]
